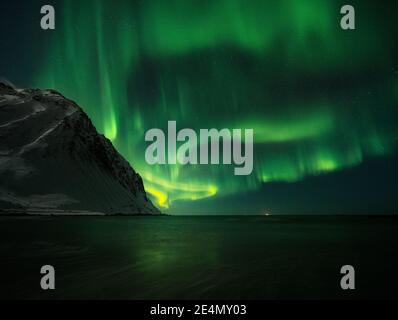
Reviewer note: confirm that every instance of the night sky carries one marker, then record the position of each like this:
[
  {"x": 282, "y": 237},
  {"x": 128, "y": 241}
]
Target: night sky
[{"x": 322, "y": 101}]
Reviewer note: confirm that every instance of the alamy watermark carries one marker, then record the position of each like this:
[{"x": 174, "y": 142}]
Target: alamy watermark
[
  {"x": 347, "y": 21},
  {"x": 194, "y": 150}
]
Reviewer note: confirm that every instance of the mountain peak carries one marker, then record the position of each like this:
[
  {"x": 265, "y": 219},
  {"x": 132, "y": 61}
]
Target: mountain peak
[{"x": 52, "y": 159}]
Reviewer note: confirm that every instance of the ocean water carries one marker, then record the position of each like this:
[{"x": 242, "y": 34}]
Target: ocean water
[{"x": 258, "y": 257}]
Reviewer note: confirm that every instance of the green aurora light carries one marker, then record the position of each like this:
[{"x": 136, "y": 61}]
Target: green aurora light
[{"x": 283, "y": 68}]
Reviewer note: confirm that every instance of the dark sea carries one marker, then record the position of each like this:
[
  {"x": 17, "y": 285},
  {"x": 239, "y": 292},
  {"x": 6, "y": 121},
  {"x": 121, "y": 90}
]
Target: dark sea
[{"x": 168, "y": 257}]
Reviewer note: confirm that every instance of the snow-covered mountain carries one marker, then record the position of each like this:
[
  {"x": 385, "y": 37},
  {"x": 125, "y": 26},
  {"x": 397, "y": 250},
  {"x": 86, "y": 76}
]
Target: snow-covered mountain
[{"x": 53, "y": 160}]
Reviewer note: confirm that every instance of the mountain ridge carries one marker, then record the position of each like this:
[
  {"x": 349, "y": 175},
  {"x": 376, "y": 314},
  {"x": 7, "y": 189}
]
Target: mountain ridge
[{"x": 52, "y": 159}]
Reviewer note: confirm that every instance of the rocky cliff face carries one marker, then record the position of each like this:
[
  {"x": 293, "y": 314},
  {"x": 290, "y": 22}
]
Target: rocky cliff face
[{"x": 53, "y": 160}]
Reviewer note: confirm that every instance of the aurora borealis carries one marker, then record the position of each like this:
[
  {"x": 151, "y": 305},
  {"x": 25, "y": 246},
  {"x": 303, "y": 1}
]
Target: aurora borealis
[{"x": 320, "y": 100}]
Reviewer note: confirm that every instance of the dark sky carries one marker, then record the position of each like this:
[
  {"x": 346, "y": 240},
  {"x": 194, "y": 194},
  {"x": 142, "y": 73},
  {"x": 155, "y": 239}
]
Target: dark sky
[{"x": 322, "y": 101}]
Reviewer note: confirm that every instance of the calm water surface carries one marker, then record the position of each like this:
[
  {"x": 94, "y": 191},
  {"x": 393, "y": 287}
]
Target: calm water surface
[{"x": 199, "y": 257}]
